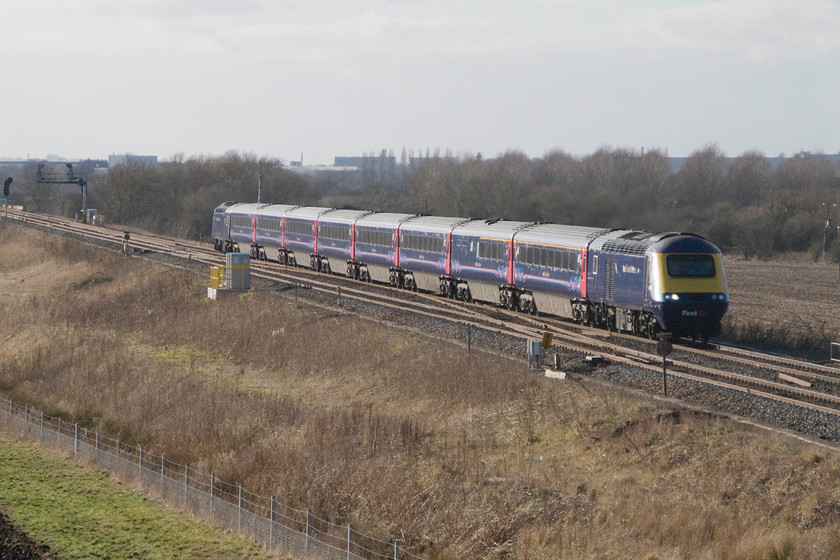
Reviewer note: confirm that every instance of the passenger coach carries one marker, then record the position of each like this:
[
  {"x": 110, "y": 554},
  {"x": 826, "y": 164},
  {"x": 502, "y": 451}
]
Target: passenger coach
[{"x": 631, "y": 281}]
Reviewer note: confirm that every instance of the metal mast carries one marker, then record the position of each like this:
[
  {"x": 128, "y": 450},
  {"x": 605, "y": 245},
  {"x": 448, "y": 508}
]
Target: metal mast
[{"x": 67, "y": 177}]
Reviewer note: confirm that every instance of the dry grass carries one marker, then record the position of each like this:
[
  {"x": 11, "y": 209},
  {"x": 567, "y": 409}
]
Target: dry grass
[{"x": 458, "y": 456}]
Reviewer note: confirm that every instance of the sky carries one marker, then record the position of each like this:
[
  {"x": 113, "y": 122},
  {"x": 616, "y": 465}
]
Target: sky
[{"x": 325, "y": 78}]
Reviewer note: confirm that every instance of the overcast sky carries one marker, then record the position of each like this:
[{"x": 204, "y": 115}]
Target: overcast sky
[{"x": 277, "y": 78}]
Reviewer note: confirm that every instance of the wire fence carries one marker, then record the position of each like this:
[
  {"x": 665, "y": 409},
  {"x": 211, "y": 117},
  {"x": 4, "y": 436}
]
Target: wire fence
[{"x": 263, "y": 519}]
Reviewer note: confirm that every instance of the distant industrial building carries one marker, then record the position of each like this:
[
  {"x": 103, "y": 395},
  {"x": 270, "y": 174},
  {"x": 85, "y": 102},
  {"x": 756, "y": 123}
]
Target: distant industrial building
[
  {"x": 118, "y": 159},
  {"x": 382, "y": 160}
]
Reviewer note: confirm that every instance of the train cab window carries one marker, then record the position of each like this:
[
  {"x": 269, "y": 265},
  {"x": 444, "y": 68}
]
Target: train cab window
[{"x": 690, "y": 266}]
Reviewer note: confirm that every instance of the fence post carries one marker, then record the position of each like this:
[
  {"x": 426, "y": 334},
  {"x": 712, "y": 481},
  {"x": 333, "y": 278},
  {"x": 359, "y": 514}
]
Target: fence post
[
  {"x": 271, "y": 525},
  {"x": 76, "y": 440},
  {"x": 397, "y": 550},
  {"x": 308, "y": 529},
  {"x": 140, "y": 462},
  {"x": 162, "y": 471},
  {"x": 59, "y": 423},
  {"x": 186, "y": 482},
  {"x": 42, "y": 428},
  {"x": 241, "y": 505},
  {"x": 349, "y": 541},
  {"x": 212, "y": 492},
  {"x": 118, "y": 449}
]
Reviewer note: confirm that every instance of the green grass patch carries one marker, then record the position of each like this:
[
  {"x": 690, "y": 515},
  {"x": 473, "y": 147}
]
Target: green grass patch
[
  {"x": 79, "y": 513},
  {"x": 185, "y": 356}
]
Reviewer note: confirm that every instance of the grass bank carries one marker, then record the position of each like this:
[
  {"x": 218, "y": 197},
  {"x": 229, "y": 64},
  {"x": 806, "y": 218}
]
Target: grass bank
[{"x": 79, "y": 513}]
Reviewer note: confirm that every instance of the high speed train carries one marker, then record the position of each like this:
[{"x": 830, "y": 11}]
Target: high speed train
[{"x": 631, "y": 281}]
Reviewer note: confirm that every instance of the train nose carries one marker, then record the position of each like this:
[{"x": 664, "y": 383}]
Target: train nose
[{"x": 694, "y": 318}]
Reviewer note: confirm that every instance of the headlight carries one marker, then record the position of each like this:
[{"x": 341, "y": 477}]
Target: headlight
[{"x": 672, "y": 297}]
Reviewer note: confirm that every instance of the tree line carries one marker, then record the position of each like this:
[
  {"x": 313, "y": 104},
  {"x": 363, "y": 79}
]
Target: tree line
[{"x": 743, "y": 204}]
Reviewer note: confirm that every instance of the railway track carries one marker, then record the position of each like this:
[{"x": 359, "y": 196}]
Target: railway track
[{"x": 813, "y": 387}]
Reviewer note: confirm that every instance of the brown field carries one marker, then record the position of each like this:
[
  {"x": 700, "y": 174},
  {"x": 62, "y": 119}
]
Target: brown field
[
  {"x": 459, "y": 456},
  {"x": 788, "y": 304}
]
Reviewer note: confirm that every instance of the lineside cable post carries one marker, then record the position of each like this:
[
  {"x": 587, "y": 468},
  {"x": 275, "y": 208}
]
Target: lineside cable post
[{"x": 664, "y": 348}]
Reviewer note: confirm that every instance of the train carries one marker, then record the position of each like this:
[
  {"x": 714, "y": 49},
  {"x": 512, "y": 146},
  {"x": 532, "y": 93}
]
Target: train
[{"x": 623, "y": 280}]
